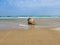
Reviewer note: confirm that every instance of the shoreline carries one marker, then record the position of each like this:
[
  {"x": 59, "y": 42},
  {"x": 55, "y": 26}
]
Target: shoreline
[{"x": 22, "y": 23}]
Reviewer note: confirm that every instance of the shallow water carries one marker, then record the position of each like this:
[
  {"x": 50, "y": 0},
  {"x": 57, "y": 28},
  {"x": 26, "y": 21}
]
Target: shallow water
[{"x": 22, "y": 23}]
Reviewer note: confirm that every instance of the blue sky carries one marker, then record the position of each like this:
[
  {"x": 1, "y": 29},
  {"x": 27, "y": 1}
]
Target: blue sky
[{"x": 29, "y": 7}]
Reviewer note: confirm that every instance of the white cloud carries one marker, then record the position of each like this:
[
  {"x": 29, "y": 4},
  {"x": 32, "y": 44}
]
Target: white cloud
[
  {"x": 34, "y": 2},
  {"x": 31, "y": 6}
]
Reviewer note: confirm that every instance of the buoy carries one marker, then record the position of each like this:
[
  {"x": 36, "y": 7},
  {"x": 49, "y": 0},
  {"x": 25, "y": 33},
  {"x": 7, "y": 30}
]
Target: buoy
[{"x": 31, "y": 21}]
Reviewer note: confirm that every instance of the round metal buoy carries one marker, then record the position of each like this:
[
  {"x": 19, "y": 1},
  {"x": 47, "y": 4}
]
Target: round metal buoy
[{"x": 31, "y": 21}]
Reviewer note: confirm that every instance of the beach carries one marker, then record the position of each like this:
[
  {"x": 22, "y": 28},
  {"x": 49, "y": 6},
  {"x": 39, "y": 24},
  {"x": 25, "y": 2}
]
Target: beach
[{"x": 18, "y": 32}]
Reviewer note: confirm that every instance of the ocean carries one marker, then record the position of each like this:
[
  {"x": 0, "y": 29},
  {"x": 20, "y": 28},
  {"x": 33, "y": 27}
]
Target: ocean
[{"x": 21, "y": 22}]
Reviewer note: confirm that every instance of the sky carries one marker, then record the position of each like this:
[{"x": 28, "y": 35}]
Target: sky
[{"x": 29, "y": 7}]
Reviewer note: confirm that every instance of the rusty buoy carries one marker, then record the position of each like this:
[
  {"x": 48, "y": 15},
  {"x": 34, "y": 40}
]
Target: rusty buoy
[{"x": 31, "y": 21}]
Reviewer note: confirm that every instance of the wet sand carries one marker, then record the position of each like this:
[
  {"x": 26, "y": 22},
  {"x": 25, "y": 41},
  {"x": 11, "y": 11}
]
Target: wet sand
[
  {"x": 45, "y": 32},
  {"x": 29, "y": 37}
]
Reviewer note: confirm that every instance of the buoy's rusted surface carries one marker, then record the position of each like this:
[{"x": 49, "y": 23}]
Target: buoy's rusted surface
[{"x": 31, "y": 21}]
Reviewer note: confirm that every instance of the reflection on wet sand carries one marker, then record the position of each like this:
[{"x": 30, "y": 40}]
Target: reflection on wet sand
[{"x": 31, "y": 27}]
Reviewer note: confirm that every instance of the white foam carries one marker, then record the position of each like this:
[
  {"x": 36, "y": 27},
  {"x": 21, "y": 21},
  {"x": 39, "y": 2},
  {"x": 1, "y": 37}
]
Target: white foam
[
  {"x": 23, "y": 25},
  {"x": 58, "y": 28}
]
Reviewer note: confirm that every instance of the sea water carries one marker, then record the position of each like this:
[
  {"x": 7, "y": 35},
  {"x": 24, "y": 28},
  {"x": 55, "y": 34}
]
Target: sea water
[{"x": 21, "y": 22}]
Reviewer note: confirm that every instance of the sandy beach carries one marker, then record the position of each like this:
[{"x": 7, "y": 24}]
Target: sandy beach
[
  {"x": 29, "y": 37},
  {"x": 32, "y": 35}
]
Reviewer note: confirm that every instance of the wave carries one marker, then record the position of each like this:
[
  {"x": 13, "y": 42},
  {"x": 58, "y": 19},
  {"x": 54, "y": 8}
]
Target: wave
[{"x": 29, "y": 17}]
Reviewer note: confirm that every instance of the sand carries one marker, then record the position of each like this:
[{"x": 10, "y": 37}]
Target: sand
[
  {"x": 29, "y": 37},
  {"x": 45, "y": 32}
]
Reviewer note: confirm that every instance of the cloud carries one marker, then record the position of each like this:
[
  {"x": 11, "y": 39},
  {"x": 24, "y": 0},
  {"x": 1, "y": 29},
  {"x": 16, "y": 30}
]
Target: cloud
[
  {"x": 23, "y": 4},
  {"x": 30, "y": 6},
  {"x": 32, "y": 3}
]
